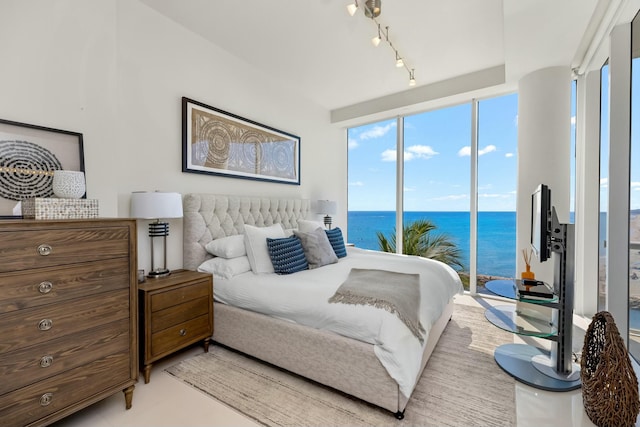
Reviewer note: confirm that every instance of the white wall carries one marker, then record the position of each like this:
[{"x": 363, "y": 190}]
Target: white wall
[{"x": 116, "y": 72}]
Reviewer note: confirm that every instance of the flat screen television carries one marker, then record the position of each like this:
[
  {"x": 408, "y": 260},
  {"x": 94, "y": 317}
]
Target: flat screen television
[{"x": 541, "y": 222}]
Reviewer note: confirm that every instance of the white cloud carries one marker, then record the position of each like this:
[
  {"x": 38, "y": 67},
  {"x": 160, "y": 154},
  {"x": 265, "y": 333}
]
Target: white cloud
[
  {"x": 377, "y": 131},
  {"x": 495, "y": 195},
  {"x": 573, "y": 120},
  {"x": 466, "y": 151},
  {"x": 422, "y": 151},
  {"x": 409, "y": 189},
  {"x": 353, "y": 144},
  {"x": 356, "y": 184},
  {"x": 487, "y": 149},
  {"x": 604, "y": 182},
  {"x": 388, "y": 156},
  {"x": 413, "y": 152},
  {"x": 509, "y": 155}
]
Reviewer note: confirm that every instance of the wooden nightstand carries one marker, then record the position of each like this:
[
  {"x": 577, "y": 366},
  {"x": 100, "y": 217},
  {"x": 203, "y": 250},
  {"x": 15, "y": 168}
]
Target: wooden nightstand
[{"x": 175, "y": 311}]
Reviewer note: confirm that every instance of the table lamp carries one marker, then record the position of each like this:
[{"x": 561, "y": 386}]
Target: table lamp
[
  {"x": 326, "y": 207},
  {"x": 157, "y": 205}
]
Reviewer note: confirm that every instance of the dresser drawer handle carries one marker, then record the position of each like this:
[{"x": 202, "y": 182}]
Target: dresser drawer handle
[
  {"x": 46, "y": 399},
  {"x": 183, "y": 332},
  {"x": 45, "y": 324},
  {"x": 45, "y": 250},
  {"x": 46, "y": 361},
  {"x": 45, "y": 287}
]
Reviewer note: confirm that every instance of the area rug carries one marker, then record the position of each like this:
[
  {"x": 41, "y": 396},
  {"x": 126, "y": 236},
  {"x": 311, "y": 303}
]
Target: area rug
[{"x": 460, "y": 386}]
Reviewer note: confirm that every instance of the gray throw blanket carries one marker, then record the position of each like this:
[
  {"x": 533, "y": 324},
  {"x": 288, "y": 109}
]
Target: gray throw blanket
[{"x": 398, "y": 293}]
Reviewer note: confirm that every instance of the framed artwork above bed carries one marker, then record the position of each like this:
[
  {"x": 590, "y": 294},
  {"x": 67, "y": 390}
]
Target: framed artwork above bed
[{"x": 216, "y": 142}]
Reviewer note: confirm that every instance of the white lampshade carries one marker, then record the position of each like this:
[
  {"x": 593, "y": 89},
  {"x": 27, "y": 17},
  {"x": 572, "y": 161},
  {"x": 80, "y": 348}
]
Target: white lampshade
[
  {"x": 156, "y": 205},
  {"x": 327, "y": 207}
]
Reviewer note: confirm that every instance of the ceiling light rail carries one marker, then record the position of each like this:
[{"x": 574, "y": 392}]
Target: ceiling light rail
[{"x": 372, "y": 9}]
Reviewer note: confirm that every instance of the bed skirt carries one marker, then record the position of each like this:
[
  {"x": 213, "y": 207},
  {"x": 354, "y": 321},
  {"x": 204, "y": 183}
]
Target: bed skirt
[{"x": 342, "y": 363}]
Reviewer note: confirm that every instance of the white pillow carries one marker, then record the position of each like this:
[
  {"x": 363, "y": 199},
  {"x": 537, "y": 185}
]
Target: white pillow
[
  {"x": 306, "y": 226},
  {"x": 227, "y": 247},
  {"x": 225, "y": 268},
  {"x": 255, "y": 240}
]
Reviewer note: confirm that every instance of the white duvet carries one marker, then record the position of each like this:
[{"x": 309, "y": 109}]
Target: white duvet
[{"x": 302, "y": 298}]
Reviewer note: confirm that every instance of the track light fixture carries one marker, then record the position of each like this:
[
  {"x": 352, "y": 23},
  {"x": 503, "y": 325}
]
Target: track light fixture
[
  {"x": 372, "y": 9},
  {"x": 377, "y": 39}
]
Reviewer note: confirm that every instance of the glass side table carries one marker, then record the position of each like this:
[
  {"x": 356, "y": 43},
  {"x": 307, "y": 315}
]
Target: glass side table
[{"x": 530, "y": 317}]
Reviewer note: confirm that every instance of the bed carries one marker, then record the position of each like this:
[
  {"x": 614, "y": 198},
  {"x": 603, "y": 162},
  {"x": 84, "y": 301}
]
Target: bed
[{"x": 330, "y": 357}]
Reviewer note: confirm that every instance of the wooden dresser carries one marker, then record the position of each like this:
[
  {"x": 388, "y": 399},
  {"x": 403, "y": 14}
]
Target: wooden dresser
[{"x": 68, "y": 316}]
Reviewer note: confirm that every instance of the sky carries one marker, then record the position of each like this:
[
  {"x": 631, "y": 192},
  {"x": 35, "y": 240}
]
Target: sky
[{"x": 437, "y": 160}]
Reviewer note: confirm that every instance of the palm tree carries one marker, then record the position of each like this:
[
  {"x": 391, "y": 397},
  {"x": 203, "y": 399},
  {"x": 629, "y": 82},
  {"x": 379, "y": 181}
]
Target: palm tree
[{"x": 419, "y": 239}]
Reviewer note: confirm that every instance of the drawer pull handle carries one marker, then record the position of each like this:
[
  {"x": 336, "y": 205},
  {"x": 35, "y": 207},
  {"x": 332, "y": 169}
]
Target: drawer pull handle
[
  {"x": 46, "y": 399},
  {"x": 45, "y": 250},
  {"x": 183, "y": 332},
  {"x": 46, "y": 361},
  {"x": 45, "y": 287},
  {"x": 45, "y": 324}
]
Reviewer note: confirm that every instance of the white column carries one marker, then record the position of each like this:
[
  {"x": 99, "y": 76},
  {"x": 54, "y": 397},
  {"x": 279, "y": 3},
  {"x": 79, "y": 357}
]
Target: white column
[
  {"x": 544, "y": 137},
  {"x": 619, "y": 149},
  {"x": 587, "y": 193}
]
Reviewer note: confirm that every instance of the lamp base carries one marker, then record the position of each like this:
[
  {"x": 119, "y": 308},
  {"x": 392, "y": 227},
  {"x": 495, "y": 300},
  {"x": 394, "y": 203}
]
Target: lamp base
[
  {"x": 327, "y": 222},
  {"x": 159, "y": 273}
]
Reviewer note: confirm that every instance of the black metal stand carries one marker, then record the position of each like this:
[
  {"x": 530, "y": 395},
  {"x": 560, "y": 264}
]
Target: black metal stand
[{"x": 554, "y": 370}]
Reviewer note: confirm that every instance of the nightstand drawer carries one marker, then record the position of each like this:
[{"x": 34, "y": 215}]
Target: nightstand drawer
[
  {"x": 55, "y": 285},
  {"x": 27, "y": 249},
  {"x": 50, "y": 358},
  {"x": 48, "y": 396},
  {"x": 162, "y": 300},
  {"x": 179, "y": 336},
  {"x": 23, "y": 328},
  {"x": 179, "y": 314}
]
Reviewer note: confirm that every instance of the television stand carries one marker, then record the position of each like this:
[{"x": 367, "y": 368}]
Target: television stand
[{"x": 550, "y": 319}]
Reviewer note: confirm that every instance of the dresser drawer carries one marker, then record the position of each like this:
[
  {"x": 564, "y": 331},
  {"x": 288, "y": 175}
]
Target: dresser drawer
[
  {"x": 39, "y": 248},
  {"x": 168, "y": 340},
  {"x": 23, "y": 328},
  {"x": 43, "y": 399},
  {"x": 43, "y": 360},
  {"x": 178, "y": 314},
  {"x": 162, "y": 300},
  {"x": 53, "y": 285}
]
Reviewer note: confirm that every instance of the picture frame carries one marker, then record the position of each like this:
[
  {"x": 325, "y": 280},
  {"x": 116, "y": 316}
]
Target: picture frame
[
  {"x": 28, "y": 156},
  {"x": 216, "y": 142}
]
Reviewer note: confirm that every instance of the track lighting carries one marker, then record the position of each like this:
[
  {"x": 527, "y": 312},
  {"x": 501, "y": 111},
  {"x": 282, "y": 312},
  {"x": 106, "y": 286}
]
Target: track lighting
[
  {"x": 372, "y": 9},
  {"x": 377, "y": 39},
  {"x": 352, "y": 8}
]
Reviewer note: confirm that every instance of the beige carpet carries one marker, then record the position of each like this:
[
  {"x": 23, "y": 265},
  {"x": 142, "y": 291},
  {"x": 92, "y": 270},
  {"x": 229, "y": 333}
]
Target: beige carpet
[{"x": 461, "y": 385}]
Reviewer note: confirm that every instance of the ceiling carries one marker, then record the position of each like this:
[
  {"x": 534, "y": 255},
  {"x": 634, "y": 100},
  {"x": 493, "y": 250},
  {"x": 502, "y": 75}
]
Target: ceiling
[{"x": 316, "y": 48}]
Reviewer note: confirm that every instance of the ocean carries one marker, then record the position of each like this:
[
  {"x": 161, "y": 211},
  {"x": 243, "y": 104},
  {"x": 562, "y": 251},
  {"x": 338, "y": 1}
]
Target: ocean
[{"x": 496, "y": 235}]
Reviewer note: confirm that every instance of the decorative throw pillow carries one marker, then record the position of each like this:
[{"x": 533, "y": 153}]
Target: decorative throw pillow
[
  {"x": 255, "y": 240},
  {"x": 337, "y": 242},
  {"x": 225, "y": 268},
  {"x": 306, "y": 226},
  {"x": 287, "y": 255},
  {"x": 227, "y": 247},
  {"x": 317, "y": 248}
]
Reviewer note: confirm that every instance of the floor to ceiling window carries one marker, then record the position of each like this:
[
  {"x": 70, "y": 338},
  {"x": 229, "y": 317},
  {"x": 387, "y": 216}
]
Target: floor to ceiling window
[
  {"x": 634, "y": 197},
  {"x": 604, "y": 187},
  {"x": 437, "y": 151},
  {"x": 372, "y": 182},
  {"x": 497, "y": 177}
]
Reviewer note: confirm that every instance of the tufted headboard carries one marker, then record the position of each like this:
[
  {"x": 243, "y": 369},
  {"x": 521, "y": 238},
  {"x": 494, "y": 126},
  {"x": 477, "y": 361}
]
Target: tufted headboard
[{"x": 211, "y": 216}]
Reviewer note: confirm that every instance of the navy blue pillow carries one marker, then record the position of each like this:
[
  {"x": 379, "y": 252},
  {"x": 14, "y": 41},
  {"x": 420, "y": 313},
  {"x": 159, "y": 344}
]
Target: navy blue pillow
[
  {"x": 287, "y": 255},
  {"x": 337, "y": 241}
]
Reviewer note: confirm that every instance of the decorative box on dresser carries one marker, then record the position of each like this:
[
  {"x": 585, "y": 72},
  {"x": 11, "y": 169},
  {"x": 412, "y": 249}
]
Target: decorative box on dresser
[
  {"x": 68, "y": 313},
  {"x": 175, "y": 311}
]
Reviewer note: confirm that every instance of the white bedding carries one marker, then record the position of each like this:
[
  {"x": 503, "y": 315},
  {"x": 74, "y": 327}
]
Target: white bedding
[{"x": 302, "y": 298}]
